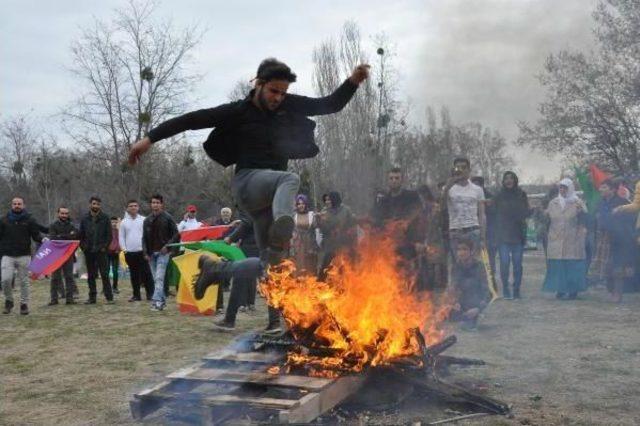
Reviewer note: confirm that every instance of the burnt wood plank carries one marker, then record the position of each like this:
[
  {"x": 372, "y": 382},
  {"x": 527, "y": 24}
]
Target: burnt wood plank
[{"x": 254, "y": 377}]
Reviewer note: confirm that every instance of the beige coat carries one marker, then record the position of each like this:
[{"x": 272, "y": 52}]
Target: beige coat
[{"x": 566, "y": 235}]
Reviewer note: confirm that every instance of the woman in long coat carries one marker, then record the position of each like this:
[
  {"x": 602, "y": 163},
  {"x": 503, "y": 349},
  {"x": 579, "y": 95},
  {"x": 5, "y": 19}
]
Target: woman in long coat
[
  {"x": 566, "y": 257},
  {"x": 304, "y": 248}
]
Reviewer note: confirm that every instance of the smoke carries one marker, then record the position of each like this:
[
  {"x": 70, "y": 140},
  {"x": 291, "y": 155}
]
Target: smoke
[{"x": 481, "y": 58}]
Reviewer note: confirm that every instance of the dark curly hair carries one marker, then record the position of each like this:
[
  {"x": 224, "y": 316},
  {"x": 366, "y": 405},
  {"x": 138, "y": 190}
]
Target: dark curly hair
[{"x": 272, "y": 69}]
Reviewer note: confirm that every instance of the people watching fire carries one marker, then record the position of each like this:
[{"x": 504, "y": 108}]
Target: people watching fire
[
  {"x": 465, "y": 205},
  {"x": 566, "y": 257},
  {"x": 469, "y": 288},
  {"x": 511, "y": 211},
  {"x": 338, "y": 227},
  {"x": 304, "y": 248}
]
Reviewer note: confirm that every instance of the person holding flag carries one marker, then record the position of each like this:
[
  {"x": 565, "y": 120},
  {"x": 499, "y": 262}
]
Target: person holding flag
[
  {"x": 17, "y": 229},
  {"x": 63, "y": 229},
  {"x": 189, "y": 222}
]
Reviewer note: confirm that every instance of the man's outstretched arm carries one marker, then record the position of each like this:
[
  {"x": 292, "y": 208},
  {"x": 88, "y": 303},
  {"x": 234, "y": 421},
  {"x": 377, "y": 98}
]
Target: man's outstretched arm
[
  {"x": 195, "y": 120},
  {"x": 332, "y": 103}
]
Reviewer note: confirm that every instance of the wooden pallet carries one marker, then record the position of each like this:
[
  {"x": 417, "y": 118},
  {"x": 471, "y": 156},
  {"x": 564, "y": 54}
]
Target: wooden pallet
[{"x": 231, "y": 384}]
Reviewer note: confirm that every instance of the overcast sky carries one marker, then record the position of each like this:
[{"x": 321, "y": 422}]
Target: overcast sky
[{"x": 478, "y": 57}]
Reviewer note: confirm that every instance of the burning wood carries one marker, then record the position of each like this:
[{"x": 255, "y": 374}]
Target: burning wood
[{"x": 363, "y": 314}]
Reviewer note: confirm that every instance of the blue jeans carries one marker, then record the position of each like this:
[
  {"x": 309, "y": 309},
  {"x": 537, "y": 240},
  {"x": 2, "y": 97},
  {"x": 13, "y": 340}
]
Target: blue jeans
[
  {"x": 508, "y": 253},
  {"x": 158, "y": 263}
]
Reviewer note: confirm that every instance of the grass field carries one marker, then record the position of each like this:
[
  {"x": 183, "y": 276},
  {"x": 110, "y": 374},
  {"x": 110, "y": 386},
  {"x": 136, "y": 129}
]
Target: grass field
[{"x": 557, "y": 362}]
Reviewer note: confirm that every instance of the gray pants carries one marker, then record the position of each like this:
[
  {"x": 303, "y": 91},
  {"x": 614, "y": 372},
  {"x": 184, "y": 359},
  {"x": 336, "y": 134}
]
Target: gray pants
[
  {"x": 16, "y": 265},
  {"x": 266, "y": 195},
  {"x": 69, "y": 283}
]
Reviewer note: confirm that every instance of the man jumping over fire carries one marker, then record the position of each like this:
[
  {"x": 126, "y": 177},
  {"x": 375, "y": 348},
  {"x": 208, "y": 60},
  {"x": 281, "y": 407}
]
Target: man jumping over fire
[{"x": 259, "y": 135}]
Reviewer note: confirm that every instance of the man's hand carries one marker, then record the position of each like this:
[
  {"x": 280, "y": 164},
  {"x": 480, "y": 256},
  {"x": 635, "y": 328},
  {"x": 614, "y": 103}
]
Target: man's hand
[
  {"x": 227, "y": 240},
  {"x": 138, "y": 149},
  {"x": 360, "y": 74}
]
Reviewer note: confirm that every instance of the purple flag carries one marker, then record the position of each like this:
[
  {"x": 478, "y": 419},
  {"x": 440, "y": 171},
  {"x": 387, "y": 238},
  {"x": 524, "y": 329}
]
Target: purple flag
[{"x": 52, "y": 255}]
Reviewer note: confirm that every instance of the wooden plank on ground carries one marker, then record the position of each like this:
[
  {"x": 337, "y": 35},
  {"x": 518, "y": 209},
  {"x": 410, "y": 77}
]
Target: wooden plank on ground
[
  {"x": 315, "y": 404},
  {"x": 146, "y": 401},
  {"x": 246, "y": 357},
  {"x": 256, "y": 402},
  {"x": 217, "y": 375}
]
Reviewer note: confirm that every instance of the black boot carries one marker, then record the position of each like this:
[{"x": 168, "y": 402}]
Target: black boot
[
  {"x": 209, "y": 274},
  {"x": 24, "y": 309},
  {"x": 280, "y": 232},
  {"x": 8, "y": 305}
]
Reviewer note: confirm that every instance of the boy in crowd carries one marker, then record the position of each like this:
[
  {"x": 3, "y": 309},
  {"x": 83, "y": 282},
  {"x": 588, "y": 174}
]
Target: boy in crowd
[{"x": 469, "y": 286}]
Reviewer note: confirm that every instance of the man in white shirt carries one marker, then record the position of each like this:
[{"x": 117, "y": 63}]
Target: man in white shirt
[
  {"x": 130, "y": 238},
  {"x": 190, "y": 222},
  {"x": 465, "y": 205}
]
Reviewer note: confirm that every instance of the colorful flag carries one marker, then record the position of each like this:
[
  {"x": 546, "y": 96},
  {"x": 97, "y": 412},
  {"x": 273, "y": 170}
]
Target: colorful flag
[
  {"x": 598, "y": 176},
  {"x": 187, "y": 264},
  {"x": 204, "y": 233},
  {"x": 51, "y": 255},
  {"x": 220, "y": 248},
  {"x": 589, "y": 191}
]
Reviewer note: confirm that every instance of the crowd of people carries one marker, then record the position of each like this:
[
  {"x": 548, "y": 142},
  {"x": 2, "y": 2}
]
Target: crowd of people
[
  {"x": 447, "y": 240},
  {"x": 447, "y": 237}
]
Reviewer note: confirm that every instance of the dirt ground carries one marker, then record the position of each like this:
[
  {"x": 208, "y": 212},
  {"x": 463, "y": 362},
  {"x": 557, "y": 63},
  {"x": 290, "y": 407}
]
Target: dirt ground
[{"x": 556, "y": 362}]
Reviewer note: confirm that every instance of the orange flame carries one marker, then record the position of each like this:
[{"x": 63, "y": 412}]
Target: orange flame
[{"x": 363, "y": 315}]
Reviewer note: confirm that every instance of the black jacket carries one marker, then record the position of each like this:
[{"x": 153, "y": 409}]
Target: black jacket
[
  {"x": 256, "y": 139},
  {"x": 403, "y": 206},
  {"x": 66, "y": 230},
  {"x": 16, "y": 236},
  {"x": 95, "y": 233},
  {"x": 511, "y": 208},
  {"x": 165, "y": 227}
]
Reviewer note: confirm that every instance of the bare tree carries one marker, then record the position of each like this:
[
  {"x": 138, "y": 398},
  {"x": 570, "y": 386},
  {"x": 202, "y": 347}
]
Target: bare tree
[
  {"x": 592, "y": 108},
  {"x": 16, "y": 147},
  {"x": 134, "y": 70}
]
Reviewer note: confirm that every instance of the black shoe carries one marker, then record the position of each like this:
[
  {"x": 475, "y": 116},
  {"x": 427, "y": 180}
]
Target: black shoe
[
  {"x": 280, "y": 232},
  {"x": 71, "y": 302},
  {"x": 53, "y": 303},
  {"x": 90, "y": 302},
  {"x": 209, "y": 274},
  {"x": 8, "y": 305},
  {"x": 222, "y": 325},
  {"x": 24, "y": 309},
  {"x": 134, "y": 299},
  {"x": 273, "y": 329}
]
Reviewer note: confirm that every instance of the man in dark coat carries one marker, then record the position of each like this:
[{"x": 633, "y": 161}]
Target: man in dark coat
[
  {"x": 511, "y": 208},
  {"x": 95, "y": 236},
  {"x": 397, "y": 203},
  {"x": 63, "y": 229},
  {"x": 17, "y": 229}
]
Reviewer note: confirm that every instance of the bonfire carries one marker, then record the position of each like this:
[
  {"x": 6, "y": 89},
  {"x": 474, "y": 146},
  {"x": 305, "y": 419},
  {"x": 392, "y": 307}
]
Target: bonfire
[{"x": 364, "y": 314}]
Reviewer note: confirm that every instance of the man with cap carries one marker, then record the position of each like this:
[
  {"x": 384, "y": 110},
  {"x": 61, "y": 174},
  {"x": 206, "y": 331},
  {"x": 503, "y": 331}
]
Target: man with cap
[
  {"x": 260, "y": 134},
  {"x": 189, "y": 222}
]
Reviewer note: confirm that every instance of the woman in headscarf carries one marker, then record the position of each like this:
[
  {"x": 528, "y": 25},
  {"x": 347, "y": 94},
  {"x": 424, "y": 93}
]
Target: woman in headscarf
[
  {"x": 304, "y": 249},
  {"x": 338, "y": 227},
  {"x": 566, "y": 257}
]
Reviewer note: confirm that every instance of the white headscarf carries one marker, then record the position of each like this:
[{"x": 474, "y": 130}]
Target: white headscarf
[{"x": 571, "y": 196}]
